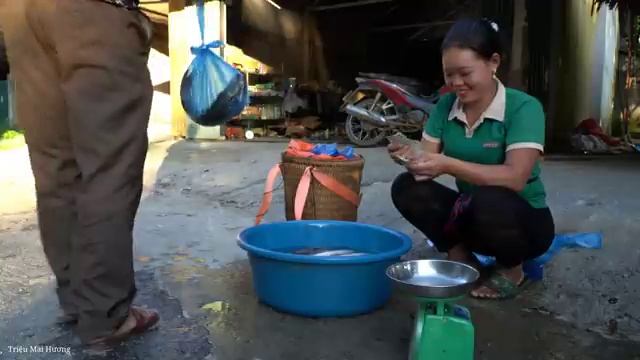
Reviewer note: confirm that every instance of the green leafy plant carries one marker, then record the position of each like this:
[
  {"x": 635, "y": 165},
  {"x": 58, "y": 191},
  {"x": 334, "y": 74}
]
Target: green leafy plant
[
  {"x": 10, "y": 134},
  {"x": 11, "y": 139}
]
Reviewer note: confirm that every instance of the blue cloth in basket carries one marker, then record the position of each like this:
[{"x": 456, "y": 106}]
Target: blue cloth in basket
[{"x": 333, "y": 150}]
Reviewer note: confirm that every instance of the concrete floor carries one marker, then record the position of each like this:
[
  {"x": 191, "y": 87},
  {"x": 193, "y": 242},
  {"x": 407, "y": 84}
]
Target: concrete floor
[{"x": 198, "y": 196}]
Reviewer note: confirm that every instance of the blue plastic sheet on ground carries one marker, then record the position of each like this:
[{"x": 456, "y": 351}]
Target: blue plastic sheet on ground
[
  {"x": 534, "y": 268},
  {"x": 212, "y": 91},
  {"x": 333, "y": 150}
]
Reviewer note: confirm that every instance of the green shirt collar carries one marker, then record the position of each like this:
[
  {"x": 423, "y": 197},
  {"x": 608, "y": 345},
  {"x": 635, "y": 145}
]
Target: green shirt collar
[{"x": 495, "y": 110}]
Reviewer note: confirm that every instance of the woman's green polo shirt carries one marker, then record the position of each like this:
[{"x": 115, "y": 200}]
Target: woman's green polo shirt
[{"x": 513, "y": 120}]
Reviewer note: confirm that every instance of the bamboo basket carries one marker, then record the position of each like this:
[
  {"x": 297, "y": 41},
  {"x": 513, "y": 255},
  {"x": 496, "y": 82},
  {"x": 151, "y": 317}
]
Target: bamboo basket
[{"x": 322, "y": 203}]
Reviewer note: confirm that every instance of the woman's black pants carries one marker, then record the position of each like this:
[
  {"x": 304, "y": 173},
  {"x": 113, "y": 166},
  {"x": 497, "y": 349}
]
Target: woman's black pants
[{"x": 490, "y": 220}]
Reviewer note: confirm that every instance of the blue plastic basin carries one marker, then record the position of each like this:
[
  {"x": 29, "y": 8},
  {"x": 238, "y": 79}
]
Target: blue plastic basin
[{"x": 322, "y": 286}]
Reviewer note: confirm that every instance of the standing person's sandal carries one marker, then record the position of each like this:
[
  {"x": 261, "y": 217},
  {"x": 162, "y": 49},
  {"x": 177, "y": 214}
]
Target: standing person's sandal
[{"x": 138, "y": 321}]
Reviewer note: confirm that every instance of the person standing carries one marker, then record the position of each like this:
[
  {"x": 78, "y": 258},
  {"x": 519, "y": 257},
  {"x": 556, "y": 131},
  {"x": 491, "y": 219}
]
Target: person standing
[{"x": 83, "y": 99}]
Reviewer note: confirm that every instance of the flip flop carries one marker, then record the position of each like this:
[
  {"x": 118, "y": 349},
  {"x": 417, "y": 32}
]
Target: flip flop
[
  {"x": 145, "y": 319},
  {"x": 503, "y": 287}
]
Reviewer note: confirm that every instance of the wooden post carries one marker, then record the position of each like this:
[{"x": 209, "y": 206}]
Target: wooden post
[
  {"x": 516, "y": 76},
  {"x": 318, "y": 53},
  {"x": 306, "y": 46}
]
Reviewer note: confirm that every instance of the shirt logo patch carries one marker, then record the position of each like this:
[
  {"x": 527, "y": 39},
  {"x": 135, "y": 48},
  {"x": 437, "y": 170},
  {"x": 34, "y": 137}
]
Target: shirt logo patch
[{"x": 491, "y": 145}]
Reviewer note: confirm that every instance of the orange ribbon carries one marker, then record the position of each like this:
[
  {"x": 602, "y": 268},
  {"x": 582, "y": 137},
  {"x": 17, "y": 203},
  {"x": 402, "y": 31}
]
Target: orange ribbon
[
  {"x": 302, "y": 191},
  {"x": 268, "y": 193}
]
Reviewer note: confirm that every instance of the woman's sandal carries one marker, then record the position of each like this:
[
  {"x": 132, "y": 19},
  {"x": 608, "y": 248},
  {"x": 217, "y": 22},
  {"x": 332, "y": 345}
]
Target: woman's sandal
[{"x": 503, "y": 287}]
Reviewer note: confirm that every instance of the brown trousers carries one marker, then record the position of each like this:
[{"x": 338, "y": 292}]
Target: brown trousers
[{"x": 83, "y": 96}]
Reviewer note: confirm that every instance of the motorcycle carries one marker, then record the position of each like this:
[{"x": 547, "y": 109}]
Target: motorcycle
[{"x": 383, "y": 104}]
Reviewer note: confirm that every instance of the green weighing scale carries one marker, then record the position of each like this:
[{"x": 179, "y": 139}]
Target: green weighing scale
[{"x": 443, "y": 330}]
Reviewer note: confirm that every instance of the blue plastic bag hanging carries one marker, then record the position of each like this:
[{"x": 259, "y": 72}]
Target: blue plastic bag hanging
[{"x": 212, "y": 91}]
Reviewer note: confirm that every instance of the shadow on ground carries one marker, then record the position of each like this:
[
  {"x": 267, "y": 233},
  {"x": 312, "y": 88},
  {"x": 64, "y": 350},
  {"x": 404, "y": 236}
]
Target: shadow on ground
[{"x": 177, "y": 337}]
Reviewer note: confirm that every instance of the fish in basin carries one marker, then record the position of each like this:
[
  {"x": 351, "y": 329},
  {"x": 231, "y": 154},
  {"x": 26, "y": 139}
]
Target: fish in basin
[{"x": 312, "y": 251}]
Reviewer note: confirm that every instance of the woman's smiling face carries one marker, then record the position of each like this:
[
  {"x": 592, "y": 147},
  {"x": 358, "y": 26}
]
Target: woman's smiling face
[{"x": 468, "y": 74}]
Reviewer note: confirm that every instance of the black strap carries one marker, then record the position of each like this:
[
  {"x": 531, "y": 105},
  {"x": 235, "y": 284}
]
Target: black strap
[{"x": 533, "y": 179}]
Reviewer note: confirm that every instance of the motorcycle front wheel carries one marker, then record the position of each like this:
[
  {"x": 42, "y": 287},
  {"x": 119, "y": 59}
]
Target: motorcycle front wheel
[{"x": 364, "y": 134}]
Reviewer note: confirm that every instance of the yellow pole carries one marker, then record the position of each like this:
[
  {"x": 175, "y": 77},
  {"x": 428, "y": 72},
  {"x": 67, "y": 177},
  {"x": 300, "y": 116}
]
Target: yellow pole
[{"x": 178, "y": 57}]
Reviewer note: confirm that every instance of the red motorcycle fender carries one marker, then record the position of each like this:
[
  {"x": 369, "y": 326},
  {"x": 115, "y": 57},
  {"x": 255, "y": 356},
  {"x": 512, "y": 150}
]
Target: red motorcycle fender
[{"x": 392, "y": 92}]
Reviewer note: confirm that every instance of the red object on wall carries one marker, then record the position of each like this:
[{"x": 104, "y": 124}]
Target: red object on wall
[{"x": 592, "y": 127}]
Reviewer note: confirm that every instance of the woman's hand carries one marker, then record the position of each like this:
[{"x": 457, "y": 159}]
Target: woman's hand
[
  {"x": 429, "y": 166},
  {"x": 399, "y": 153}
]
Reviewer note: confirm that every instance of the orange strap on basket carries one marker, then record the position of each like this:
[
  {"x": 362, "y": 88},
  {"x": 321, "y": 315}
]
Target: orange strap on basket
[
  {"x": 268, "y": 192},
  {"x": 302, "y": 191},
  {"x": 327, "y": 181}
]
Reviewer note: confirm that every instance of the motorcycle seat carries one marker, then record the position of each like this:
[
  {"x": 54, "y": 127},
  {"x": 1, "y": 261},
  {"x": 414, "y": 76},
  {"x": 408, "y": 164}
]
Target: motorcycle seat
[
  {"x": 425, "y": 103},
  {"x": 409, "y": 84}
]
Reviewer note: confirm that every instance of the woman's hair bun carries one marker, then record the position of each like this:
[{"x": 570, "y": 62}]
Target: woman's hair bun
[{"x": 479, "y": 35}]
